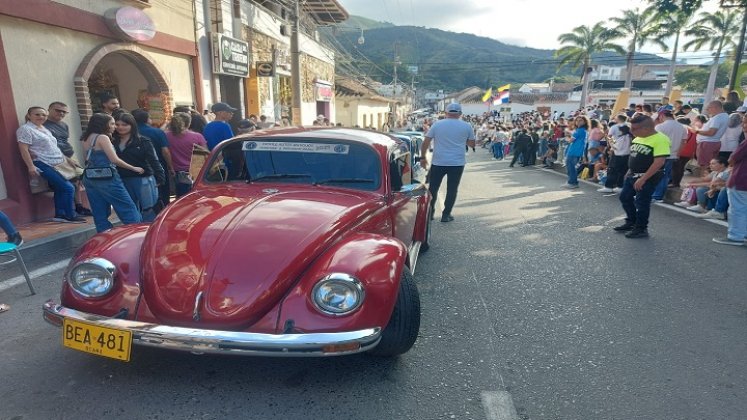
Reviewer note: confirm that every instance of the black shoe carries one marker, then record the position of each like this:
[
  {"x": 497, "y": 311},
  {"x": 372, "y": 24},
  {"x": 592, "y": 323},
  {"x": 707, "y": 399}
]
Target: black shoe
[
  {"x": 82, "y": 211},
  {"x": 74, "y": 219},
  {"x": 447, "y": 218},
  {"x": 16, "y": 239},
  {"x": 432, "y": 216},
  {"x": 627, "y": 227},
  {"x": 510, "y": 166},
  {"x": 637, "y": 233}
]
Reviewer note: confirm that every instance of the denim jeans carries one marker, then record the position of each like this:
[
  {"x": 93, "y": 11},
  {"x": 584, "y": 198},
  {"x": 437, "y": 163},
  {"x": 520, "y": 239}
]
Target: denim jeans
[
  {"x": 144, "y": 194},
  {"x": 497, "y": 149},
  {"x": 722, "y": 201},
  {"x": 7, "y": 225},
  {"x": 103, "y": 194},
  {"x": 704, "y": 200},
  {"x": 661, "y": 189},
  {"x": 737, "y": 214},
  {"x": 64, "y": 190},
  {"x": 637, "y": 204},
  {"x": 453, "y": 176},
  {"x": 570, "y": 166}
]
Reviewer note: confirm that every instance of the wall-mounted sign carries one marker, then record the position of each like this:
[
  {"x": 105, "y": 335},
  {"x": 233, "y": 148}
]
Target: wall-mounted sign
[
  {"x": 323, "y": 90},
  {"x": 265, "y": 69},
  {"x": 130, "y": 24},
  {"x": 230, "y": 56}
]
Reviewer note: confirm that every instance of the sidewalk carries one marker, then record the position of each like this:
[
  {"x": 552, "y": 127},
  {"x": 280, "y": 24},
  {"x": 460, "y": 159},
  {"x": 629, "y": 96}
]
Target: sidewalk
[{"x": 48, "y": 237}]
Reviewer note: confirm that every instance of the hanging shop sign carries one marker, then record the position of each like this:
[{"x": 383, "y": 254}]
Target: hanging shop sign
[
  {"x": 130, "y": 24},
  {"x": 230, "y": 56},
  {"x": 265, "y": 69},
  {"x": 323, "y": 91}
]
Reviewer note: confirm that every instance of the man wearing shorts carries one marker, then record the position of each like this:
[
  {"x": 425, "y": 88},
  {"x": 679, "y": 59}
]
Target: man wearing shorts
[{"x": 709, "y": 136}]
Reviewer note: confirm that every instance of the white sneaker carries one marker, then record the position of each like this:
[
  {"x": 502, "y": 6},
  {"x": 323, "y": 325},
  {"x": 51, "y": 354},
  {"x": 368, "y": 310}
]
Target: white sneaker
[
  {"x": 616, "y": 190},
  {"x": 605, "y": 190},
  {"x": 696, "y": 208},
  {"x": 683, "y": 204},
  {"x": 712, "y": 214}
]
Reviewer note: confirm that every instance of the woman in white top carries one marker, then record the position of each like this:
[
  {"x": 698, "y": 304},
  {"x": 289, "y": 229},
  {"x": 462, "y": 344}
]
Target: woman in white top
[
  {"x": 730, "y": 139},
  {"x": 40, "y": 154}
]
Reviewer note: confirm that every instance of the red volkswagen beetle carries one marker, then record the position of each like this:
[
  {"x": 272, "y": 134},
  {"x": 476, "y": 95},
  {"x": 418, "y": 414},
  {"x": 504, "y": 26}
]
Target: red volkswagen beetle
[{"x": 297, "y": 242}]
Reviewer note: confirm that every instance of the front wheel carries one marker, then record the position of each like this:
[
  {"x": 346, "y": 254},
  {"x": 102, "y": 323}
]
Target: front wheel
[{"x": 404, "y": 324}]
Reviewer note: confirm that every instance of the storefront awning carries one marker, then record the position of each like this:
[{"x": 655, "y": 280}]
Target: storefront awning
[{"x": 325, "y": 12}]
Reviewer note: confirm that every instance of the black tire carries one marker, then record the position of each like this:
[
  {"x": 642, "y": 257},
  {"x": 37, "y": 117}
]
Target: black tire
[
  {"x": 400, "y": 333},
  {"x": 426, "y": 244}
]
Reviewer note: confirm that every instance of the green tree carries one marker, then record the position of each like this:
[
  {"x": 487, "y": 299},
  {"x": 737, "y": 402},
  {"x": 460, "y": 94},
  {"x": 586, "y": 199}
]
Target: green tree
[
  {"x": 696, "y": 79},
  {"x": 640, "y": 27},
  {"x": 579, "y": 45},
  {"x": 673, "y": 24},
  {"x": 718, "y": 31}
]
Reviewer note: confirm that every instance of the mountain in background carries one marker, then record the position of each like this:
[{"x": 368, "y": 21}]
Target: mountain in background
[{"x": 446, "y": 60}]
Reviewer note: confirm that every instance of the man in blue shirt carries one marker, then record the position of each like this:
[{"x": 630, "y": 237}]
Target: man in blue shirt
[
  {"x": 219, "y": 130},
  {"x": 161, "y": 144}
]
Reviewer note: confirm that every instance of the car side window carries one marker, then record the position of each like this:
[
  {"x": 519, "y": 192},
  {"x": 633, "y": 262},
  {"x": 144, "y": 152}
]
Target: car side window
[{"x": 400, "y": 171}]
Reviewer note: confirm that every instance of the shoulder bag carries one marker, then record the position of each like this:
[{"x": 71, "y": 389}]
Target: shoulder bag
[
  {"x": 69, "y": 169},
  {"x": 97, "y": 173}
]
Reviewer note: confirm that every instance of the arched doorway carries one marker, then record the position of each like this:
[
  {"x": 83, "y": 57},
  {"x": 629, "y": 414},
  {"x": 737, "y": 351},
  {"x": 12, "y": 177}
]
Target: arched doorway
[{"x": 126, "y": 71}]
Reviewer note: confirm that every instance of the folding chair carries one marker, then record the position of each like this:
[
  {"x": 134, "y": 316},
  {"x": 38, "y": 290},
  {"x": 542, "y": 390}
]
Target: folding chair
[{"x": 9, "y": 254}]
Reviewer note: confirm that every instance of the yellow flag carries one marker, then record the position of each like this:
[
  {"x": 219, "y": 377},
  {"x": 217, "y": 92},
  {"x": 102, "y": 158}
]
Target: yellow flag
[
  {"x": 488, "y": 94},
  {"x": 504, "y": 87}
]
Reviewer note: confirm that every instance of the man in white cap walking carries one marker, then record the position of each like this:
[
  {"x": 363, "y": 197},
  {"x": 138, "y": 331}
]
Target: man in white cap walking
[{"x": 449, "y": 137}]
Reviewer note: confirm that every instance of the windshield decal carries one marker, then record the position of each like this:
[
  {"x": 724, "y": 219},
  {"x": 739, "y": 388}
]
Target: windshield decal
[{"x": 284, "y": 146}]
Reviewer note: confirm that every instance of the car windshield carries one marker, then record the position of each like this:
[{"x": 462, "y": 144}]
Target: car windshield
[{"x": 299, "y": 161}]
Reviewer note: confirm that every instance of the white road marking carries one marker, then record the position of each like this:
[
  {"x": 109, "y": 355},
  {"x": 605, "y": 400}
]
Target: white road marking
[
  {"x": 15, "y": 281},
  {"x": 498, "y": 405}
]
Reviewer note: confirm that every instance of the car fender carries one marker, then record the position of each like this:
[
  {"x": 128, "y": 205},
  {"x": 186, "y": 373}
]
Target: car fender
[
  {"x": 121, "y": 246},
  {"x": 376, "y": 260}
]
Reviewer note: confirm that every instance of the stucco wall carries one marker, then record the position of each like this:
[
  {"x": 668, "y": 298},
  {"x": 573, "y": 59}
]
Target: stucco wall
[
  {"x": 173, "y": 17},
  {"x": 350, "y": 112}
]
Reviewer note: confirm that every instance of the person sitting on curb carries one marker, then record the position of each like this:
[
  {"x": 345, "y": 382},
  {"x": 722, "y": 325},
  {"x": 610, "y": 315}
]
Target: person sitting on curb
[
  {"x": 736, "y": 188},
  {"x": 707, "y": 187}
]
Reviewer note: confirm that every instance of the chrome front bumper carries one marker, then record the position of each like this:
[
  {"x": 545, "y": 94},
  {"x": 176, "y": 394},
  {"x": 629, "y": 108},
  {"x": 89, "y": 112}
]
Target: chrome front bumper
[{"x": 226, "y": 342}]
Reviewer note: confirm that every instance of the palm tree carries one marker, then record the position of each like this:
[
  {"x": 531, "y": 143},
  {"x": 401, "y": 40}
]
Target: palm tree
[
  {"x": 673, "y": 24},
  {"x": 717, "y": 30},
  {"x": 581, "y": 44},
  {"x": 640, "y": 27}
]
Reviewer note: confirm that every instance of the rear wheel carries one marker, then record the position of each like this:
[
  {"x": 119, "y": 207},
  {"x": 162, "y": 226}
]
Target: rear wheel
[{"x": 402, "y": 330}]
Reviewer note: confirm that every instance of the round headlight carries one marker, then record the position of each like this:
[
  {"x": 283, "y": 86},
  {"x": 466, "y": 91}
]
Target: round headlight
[
  {"x": 92, "y": 278},
  {"x": 338, "y": 294}
]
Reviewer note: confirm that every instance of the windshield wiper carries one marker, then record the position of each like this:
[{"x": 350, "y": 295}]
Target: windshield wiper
[
  {"x": 281, "y": 176},
  {"x": 345, "y": 181}
]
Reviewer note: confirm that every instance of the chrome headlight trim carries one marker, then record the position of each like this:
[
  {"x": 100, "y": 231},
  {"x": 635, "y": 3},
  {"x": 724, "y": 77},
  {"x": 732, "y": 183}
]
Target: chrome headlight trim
[
  {"x": 96, "y": 282},
  {"x": 342, "y": 282}
]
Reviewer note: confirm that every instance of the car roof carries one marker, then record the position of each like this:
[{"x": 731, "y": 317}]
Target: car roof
[{"x": 371, "y": 138}]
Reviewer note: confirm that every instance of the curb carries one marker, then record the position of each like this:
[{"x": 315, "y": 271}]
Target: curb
[{"x": 42, "y": 247}]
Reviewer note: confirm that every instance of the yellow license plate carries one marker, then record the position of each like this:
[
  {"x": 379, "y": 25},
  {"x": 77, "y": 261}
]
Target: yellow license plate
[{"x": 101, "y": 341}]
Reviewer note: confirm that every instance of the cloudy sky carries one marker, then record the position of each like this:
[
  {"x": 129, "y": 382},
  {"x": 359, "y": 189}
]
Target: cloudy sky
[{"x": 531, "y": 23}]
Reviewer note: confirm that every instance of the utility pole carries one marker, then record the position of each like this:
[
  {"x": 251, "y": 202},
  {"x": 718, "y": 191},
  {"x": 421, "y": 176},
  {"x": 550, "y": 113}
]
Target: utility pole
[
  {"x": 394, "y": 90},
  {"x": 295, "y": 64},
  {"x": 738, "y": 57}
]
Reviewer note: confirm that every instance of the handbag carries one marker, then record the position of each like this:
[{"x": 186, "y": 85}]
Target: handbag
[
  {"x": 97, "y": 172},
  {"x": 69, "y": 169}
]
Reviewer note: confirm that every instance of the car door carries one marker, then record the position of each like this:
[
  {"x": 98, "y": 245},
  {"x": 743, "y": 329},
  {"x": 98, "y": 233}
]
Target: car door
[{"x": 404, "y": 196}]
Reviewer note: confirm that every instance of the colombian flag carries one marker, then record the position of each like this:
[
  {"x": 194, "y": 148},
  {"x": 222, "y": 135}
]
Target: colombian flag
[
  {"x": 488, "y": 94},
  {"x": 504, "y": 87}
]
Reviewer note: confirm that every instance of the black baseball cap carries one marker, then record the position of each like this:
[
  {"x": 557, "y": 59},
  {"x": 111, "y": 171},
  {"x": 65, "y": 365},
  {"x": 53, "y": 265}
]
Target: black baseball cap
[{"x": 222, "y": 106}]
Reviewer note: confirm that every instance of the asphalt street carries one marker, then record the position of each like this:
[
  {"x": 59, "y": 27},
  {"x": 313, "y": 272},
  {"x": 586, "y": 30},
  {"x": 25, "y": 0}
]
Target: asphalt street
[{"x": 533, "y": 308}]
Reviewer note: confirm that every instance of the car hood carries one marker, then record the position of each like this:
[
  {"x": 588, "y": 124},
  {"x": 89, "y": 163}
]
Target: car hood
[{"x": 219, "y": 258}]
